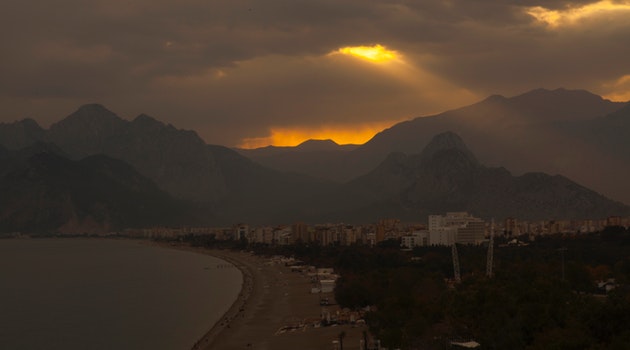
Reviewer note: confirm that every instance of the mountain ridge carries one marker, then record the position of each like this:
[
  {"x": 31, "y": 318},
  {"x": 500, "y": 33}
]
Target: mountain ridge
[
  {"x": 451, "y": 179},
  {"x": 415, "y": 170},
  {"x": 44, "y": 192},
  {"x": 504, "y": 133},
  {"x": 175, "y": 159}
]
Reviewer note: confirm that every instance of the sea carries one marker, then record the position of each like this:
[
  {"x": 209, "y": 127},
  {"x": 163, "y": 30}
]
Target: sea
[{"x": 73, "y": 293}]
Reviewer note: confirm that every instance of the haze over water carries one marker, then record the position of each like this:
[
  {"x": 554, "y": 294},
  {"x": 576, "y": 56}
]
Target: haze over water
[{"x": 108, "y": 294}]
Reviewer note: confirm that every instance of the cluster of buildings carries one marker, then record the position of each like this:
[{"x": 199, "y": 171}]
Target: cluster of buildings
[
  {"x": 445, "y": 230},
  {"x": 324, "y": 234},
  {"x": 442, "y": 230}
]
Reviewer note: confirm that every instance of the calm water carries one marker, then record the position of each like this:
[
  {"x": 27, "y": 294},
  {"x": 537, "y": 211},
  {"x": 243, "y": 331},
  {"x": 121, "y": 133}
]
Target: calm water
[{"x": 108, "y": 294}]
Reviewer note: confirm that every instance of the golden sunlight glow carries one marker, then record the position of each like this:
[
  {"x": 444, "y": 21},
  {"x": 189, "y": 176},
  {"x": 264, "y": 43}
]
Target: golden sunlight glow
[
  {"x": 555, "y": 18},
  {"x": 376, "y": 53},
  {"x": 341, "y": 134},
  {"x": 619, "y": 89}
]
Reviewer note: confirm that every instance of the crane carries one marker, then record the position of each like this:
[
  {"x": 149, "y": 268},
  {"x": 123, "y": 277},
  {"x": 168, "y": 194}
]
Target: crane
[
  {"x": 562, "y": 251},
  {"x": 490, "y": 257},
  {"x": 456, "y": 273}
]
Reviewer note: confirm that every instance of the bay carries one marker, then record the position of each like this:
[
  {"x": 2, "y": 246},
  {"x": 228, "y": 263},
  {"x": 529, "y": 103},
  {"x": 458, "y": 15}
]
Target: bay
[{"x": 109, "y": 294}]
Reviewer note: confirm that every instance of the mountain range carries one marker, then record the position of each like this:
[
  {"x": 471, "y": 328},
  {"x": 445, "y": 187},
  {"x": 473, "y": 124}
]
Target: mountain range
[
  {"x": 43, "y": 190},
  {"x": 446, "y": 176},
  {"x": 569, "y": 132},
  {"x": 95, "y": 170}
]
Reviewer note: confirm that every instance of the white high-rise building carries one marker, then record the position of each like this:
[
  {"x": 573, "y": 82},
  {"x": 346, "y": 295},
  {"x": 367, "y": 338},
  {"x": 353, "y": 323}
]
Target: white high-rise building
[
  {"x": 456, "y": 227},
  {"x": 415, "y": 239},
  {"x": 443, "y": 236}
]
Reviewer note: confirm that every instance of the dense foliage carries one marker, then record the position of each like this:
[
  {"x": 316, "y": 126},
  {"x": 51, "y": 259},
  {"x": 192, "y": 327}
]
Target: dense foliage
[
  {"x": 526, "y": 305},
  {"x": 542, "y": 296}
]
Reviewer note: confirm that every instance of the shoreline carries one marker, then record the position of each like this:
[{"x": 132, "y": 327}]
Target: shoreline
[
  {"x": 206, "y": 341},
  {"x": 275, "y": 309}
]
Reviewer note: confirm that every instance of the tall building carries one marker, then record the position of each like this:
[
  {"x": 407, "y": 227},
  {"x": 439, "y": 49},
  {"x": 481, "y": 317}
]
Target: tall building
[
  {"x": 613, "y": 221},
  {"x": 443, "y": 236},
  {"x": 418, "y": 238},
  {"x": 241, "y": 231},
  {"x": 472, "y": 233},
  {"x": 456, "y": 227},
  {"x": 300, "y": 233},
  {"x": 511, "y": 227},
  {"x": 386, "y": 229}
]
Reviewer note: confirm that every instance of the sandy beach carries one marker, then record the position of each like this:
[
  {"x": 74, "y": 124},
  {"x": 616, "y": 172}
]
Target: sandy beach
[{"x": 272, "y": 302}]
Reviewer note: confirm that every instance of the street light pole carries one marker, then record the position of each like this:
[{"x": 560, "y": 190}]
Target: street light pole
[{"x": 562, "y": 250}]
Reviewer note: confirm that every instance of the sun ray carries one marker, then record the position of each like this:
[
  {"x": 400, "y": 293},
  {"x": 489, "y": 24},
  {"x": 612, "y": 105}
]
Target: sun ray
[
  {"x": 556, "y": 18},
  {"x": 618, "y": 90},
  {"x": 376, "y": 53}
]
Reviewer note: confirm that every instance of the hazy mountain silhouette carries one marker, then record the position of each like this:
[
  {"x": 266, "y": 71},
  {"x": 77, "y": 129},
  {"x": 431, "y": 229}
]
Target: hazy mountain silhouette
[
  {"x": 176, "y": 160},
  {"x": 306, "y": 146},
  {"x": 262, "y": 195},
  {"x": 609, "y": 134},
  {"x": 446, "y": 176},
  {"x": 228, "y": 186},
  {"x": 43, "y": 191},
  {"x": 21, "y": 133},
  {"x": 313, "y": 157},
  {"x": 322, "y": 145},
  {"x": 96, "y": 167},
  {"x": 541, "y": 130}
]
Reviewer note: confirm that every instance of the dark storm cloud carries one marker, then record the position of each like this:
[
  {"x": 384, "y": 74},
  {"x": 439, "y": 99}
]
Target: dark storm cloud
[{"x": 232, "y": 69}]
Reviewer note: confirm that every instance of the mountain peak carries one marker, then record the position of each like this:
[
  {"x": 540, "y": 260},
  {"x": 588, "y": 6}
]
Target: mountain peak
[
  {"x": 93, "y": 108},
  {"x": 559, "y": 93},
  {"x": 93, "y": 111},
  {"x": 495, "y": 98},
  {"x": 26, "y": 124},
  {"x": 559, "y": 104},
  {"x": 90, "y": 117},
  {"x": 86, "y": 130},
  {"x": 446, "y": 141},
  {"x": 21, "y": 133},
  {"x": 147, "y": 120},
  {"x": 29, "y": 123},
  {"x": 318, "y": 145}
]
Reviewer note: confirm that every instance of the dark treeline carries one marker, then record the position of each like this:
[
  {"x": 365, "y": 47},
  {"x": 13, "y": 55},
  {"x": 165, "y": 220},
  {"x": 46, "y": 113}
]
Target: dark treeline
[{"x": 542, "y": 296}]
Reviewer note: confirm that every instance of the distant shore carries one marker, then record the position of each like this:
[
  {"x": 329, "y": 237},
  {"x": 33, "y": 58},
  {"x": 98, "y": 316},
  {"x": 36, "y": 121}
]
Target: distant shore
[{"x": 275, "y": 309}]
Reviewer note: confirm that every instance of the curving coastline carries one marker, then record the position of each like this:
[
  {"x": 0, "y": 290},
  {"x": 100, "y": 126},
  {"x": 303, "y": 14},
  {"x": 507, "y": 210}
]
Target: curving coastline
[
  {"x": 239, "y": 305},
  {"x": 272, "y": 302}
]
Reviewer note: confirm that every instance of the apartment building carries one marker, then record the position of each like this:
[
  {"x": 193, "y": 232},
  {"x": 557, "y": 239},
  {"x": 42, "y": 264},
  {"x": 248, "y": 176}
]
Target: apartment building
[{"x": 456, "y": 227}]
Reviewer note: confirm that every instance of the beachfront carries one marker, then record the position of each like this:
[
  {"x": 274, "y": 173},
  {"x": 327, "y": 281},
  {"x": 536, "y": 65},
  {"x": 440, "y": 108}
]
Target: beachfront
[{"x": 272, "y": 302}]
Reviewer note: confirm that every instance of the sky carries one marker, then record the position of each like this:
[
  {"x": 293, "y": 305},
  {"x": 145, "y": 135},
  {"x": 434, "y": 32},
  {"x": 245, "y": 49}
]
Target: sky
[{"x": 245, "y": 73}]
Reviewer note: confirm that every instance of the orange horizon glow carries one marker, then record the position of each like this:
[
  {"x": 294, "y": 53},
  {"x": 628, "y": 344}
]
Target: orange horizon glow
[
  {"x": 618, "y": 96},
  {"x": 555, "y": 18},
  {"x": 341, "y": 134},
  {"x": 619, "y": 89}
]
